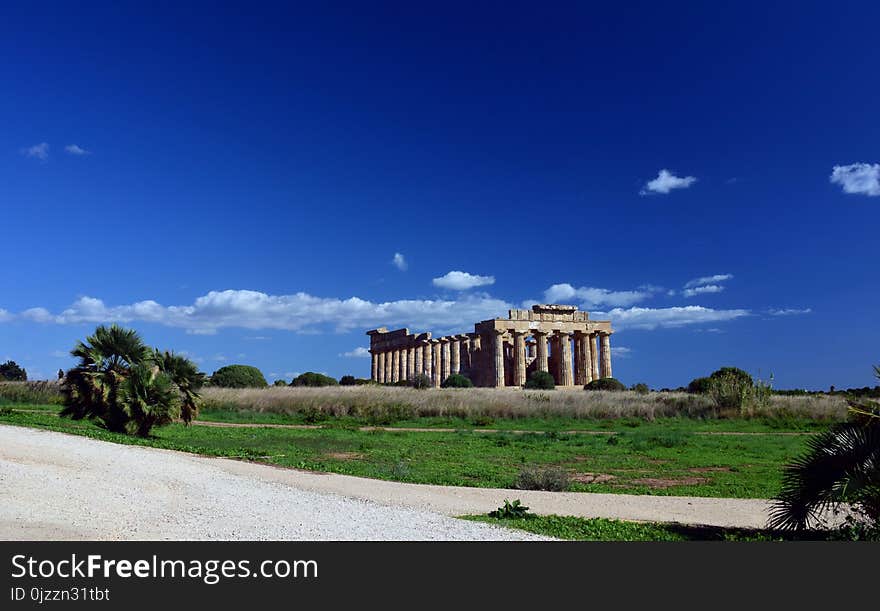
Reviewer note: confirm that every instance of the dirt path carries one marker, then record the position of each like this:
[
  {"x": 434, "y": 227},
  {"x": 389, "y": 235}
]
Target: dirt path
[{"x": 54, "y": 485}]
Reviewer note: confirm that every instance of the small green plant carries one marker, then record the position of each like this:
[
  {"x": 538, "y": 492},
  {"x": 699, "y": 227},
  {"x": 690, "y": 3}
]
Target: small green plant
[
  {"x": 279, "y": 383},
  {"x": 553, "y": 479},
  {"x": 540, "y": 380},
  {"x": 641, "y": 388},
  {"x": 743, "y": 377},
  {"x": 729, "y": 391},
  {"x": 420, "y": 381},
  {"x": 605, "y": 384},
  {"x": 457, "y": 380},
  {"x": 310, "y": 378},
  {"x": 511, "y": 511}
]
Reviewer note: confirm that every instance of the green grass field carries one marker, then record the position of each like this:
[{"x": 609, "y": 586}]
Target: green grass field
[
  {"x": 601, "y": 529},
  {"x": 663, "y": 457}
]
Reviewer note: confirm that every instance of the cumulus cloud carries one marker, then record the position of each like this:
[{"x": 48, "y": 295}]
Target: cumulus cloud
[
  {"x": 788, "y": 311},
  {"x": 678, "y": 316},
  {"x": 5, "y": 315},
  {"x": 589, "y": 297},
  {"x": 708, "y": 280},
  {"x": 462, "y": 281},
  {"x": 860, "y": 178},
  {"x": 666, "y": 181},
  {"x": 358, "y": 353},
  {"x": 621, "y": 352},
  {"x": 38, "y": 151},
  {"x": 73, "y": 149},
  {"x": 298, "y": 312},
  {"x": 701, "y": 290},
  {"x": 399, "y": 261}
]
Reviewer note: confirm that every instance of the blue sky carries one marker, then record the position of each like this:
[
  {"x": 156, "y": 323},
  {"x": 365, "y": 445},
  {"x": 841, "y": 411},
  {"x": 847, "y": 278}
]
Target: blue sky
[{"x": 264, "y": 183}]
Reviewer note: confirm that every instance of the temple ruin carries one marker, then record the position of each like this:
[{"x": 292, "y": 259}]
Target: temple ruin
[{"x": 501, "y": 351}]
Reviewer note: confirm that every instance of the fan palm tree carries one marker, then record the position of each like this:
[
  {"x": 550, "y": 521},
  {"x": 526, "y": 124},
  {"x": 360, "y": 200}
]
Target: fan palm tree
[
  {"x": 840, "y": 468},
  {"x": 128, "y": 387}
]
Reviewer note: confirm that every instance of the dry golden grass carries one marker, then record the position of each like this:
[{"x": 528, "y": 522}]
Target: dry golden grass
[{"x": 503, "y": 403}]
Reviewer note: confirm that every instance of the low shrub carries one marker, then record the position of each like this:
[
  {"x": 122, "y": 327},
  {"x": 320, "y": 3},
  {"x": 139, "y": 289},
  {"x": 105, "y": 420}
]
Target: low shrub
[
  {"x": 456, "y": 380},
  {"x": 310, "y": 378},
  {"x": 11, "y": 372},
  {"x": 553, "y": 479},
  {"x": 420, "y": 381},
  {"x": 641, "y": 388},
  {"x": 383, "y": 415},
  {"x": 605, "y": 384},
  {"x": 729, "y": 391},
  {"x": 699, "y": 386},
  {"x": 540, "y": 380},
  {"x": 279, "y": 383},
  {"x": 36, "y": 392},
  {"x": 238, "y": 376},
  {"x": 744, "y": 378}
]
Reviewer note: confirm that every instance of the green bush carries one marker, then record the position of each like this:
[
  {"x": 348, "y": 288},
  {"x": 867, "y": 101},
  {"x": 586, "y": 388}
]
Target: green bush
[
  {"x": 540, "y": 380},
  {"x": 605, "y": 384},
  {"x": 456, "y": 380},
  {"x": 553, "y": 479},
  {"x": 279, "y": 383},
  {"x": 39, "y": 392},
  {"x": 348, "y": 381},
  {"x": 310, "y": 378},
  {"x": 743, "y": 377},
  {"x": 641, "y": 388},
  {"x": 421, "y": 381},
  {"x": 729, "y": 390},
  {"x": 383, "y": 415},
  {"x": 11, "y": 372},
  {"x": 699, "y": 386},
  {"x": 238, "y": 376}
]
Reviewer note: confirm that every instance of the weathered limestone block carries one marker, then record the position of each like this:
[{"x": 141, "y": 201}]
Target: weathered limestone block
[
  {"x": 594, "y": 356},
  {"x": 381, "y": 368},
  {"x": 565, "y": 371},
  {"x": 519, "y": 358},
  {"x": 541, "y": 345},
  {"x": 499, "y": 358},
  {"x": 606, "y": 355}
]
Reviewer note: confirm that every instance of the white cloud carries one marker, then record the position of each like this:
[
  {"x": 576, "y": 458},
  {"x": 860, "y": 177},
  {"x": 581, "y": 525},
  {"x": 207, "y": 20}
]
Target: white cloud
[
  {"x": 665, "y": 182},
  {"x": 358, "y": 353},
  {"x": 678, "y": 316},
  {"x": 701, "y": 290},
  {"x": 399, "y": 261},
  {"x": 59, "y": 354},
  {"x": 862, "y": 178},
  {"x": 221, "y": 358},
  {"x": 38, "y": 315},
  {"x": 589, "y": 297},
  {"x": 5, "y": 315},
  {"x": 708, "y": 280},
  {"x": 299, "y": 312},
  {"x": 38, "y": 151},
  {"x": 73, "y": 149},
  {"x": 788, "y": 311},
  {"x": 621, "y": 352},
  {"x": 461, "y": 281}
]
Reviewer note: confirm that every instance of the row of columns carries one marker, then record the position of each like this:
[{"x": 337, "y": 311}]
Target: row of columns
[
  {"x": 436, "y": 358},
  {"x": 588, "y": 365}
]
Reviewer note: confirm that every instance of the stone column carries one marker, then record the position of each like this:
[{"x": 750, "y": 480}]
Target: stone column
[
  {"x": 565, "y": 377},
  {"x": 499, "y": 358},
  {"x": 374, "y": 366},
  {"x": 605, "y": 339},
  {"x": 426, "y": 359},
  {"x": 541, "y": 345},
  {"x": 581, "y": 370},
  {"x": 465, "y": 356},
  {"x": 454, "y": 355},
  {"x": 410, "y": 363},
  {"x": 418, "y": 368},
  {"x": 435, "y": 349},
  {"x": 594, "y": 357},
  {"x": 395, "y": 365},
  {"x": 586, "y": 357},
  {"x": 444, "y": 356},
  {"x": 381, "y": 368},
  {"x": 519, "y": 358}
]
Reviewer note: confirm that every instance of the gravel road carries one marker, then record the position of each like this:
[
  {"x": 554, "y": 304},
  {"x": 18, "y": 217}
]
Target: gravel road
[{"x": 55, "y": 486}]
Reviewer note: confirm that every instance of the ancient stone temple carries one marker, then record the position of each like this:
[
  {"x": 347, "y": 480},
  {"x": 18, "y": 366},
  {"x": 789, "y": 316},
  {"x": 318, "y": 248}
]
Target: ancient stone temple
[{"x": 501, "y": 351}]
